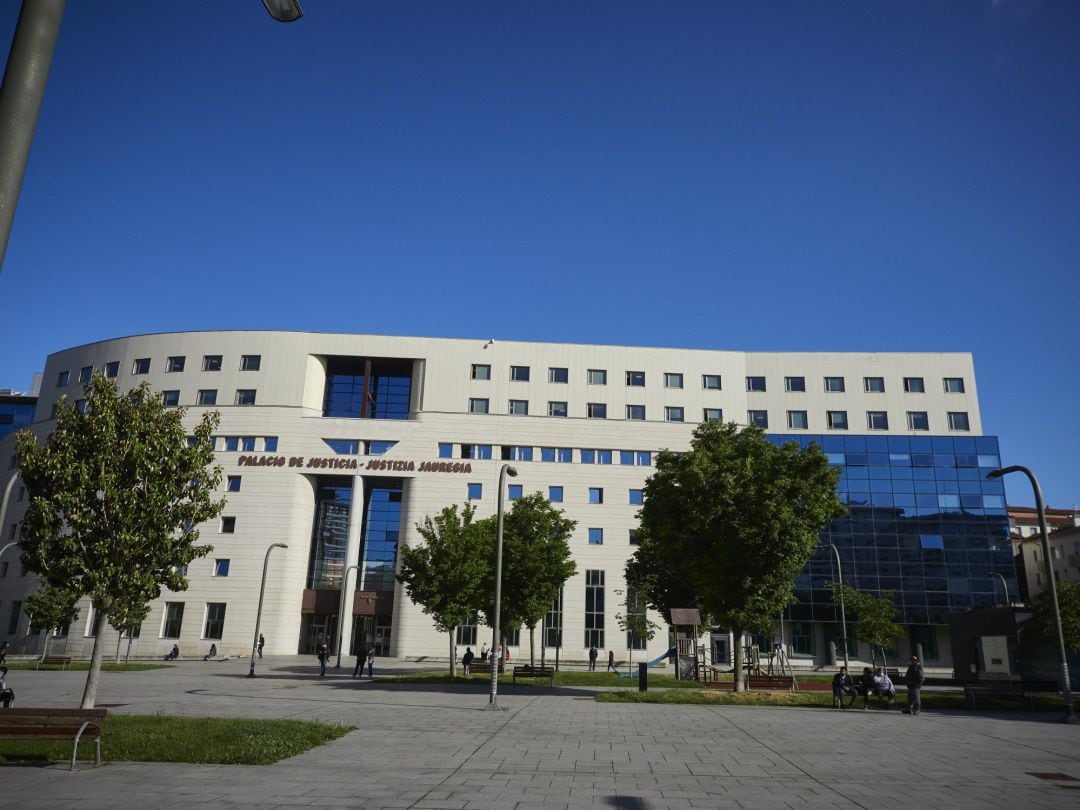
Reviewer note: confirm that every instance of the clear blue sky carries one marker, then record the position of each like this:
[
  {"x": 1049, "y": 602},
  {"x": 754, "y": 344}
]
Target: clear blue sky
[{"x": 887, "y": 176}]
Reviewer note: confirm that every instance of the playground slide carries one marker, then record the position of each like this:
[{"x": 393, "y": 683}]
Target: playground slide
[{"x": 669, "y": 654}]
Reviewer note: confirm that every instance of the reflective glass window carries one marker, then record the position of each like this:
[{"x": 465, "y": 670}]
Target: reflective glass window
[
  {"x": 635, "y": 413},
  {"x": 795, "y": 384},
  {"x": 635, "y": 379},
  {"x": 519, "y": 373},
  {"x": 755, "y": 384},
  {"x": 555, "y": 494},
  {"x": 797, "y": 420},
  {"x": 596, "y": 410},
  {"x": 918, "y": 420},
  {"x": 954, "y": 385},
  {"x": 558, "y": 375},
  {"x": 837, "y": 420},
  {"x": 758, "y": 418},
  {"x": 481, "y": 371},
  {"x": 712, "y": 415},
  {"x": 874, "y": 385},
  {"x": 557, "y": 409},
  {"x": 834, "y": 385},
  {"x": 597, "y": 376},
  {"x": 914, "y": 385},
  {"x": 958, "y": 420},
  {"x": 710, "y": 382},
  {"x": 518, "y": 407}
]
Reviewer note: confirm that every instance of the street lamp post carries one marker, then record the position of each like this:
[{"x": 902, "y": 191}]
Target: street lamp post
[
  {"x": 341, "y": 613},
  {"x": 843, "y": 616},
  {"x": 1066, "y": 687},
  {"x": 496, "y": 649},
  {"x": 1004, "y": 585},
  {"x": 258, "y": 615}
]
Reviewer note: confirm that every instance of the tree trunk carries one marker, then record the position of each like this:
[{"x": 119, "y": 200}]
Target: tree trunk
[
  {"x": 119, "y": 639},
  {"x": 532, "y": 646},
  {"x": 92, "y": 677},
  {"x": 45, "y": 647},
  {"x": 127, "y": 653},
  {"x": 737, "y": 636},
  {"x": 453, "y": 663}
]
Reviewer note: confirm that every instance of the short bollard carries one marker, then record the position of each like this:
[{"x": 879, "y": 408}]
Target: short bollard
[{"x": 643, "y": 677}]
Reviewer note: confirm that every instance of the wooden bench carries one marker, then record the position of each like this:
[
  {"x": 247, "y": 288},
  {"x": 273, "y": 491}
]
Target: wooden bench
[
  {"x": 771, "y": 682},
  {"x": 481, "y": 668},
  {"x": 50, "y": 724},
  {"x": 1005, "y": 690},
  {"x": 534, "y": 672},
  {"x": 54, "y": 661}
]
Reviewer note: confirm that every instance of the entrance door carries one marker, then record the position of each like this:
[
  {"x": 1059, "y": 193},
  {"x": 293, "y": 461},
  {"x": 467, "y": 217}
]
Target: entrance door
[
  {"x": 382, "y": 635},
  {"x": 315, "y": 629}
]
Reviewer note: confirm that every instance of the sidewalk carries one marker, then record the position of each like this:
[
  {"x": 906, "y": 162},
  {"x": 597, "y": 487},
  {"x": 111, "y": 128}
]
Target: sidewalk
[{"x": 436, "y": 747}]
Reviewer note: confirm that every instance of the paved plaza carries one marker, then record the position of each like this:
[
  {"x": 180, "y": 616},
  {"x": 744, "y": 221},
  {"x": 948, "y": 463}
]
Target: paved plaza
[{"x": 434, "y": 747}]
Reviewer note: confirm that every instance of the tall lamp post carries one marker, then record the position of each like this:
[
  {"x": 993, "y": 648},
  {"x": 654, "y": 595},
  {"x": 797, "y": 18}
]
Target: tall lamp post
[
  {"x": 1004, "y": 585},
  {"x": 341, "y": 613},
  {"x": 496, "y": 650},
  {"x": 1066, "y": 687},
  {"x": 843, "y": 616},
  {"x": 258, "y": 615}
]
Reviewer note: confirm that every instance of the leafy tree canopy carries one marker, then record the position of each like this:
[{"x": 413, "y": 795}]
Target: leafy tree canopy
[
  {"x": 115, "y": 495},
  {"x": 875, "y": 615},
  {"x": 1042, "y": 614},
  {"x": 727, "y": 526}
]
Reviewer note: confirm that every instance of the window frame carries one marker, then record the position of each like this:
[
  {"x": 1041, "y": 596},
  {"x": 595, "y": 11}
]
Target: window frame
[
  {"x": 596, "y": 376},
  {"x": 913, "y": 420},
  {"x": 518, "y": 407},
  {"x": 479, "y": 405},
  {"x": 478, "y": 370},
  {"x": 805, "y": 420},
  {"x": 752, "y": 381},
  {"x": 873, "y": 417},
  {"x": 554, "y": 372},
  {"x": 520, "y": 373},
  {"x": 833, "y": 417},
  {"x": 635, "y": 379},
  {"x": 212, "y": 362},
  {"x": 596, "y": 410},
  {"x": 242, "y": 398},
  {"x": 251, "y": 362},
  {"x": 553, "y": 408},
  {"x": 674, "y": 380},
  {"x": 707, "y": 378},
  {"x": 673, "y": 411},
  {"x": 869, "y": 384},
  {"x": 831, "y": 382},
  {"x": 911, "y": 387},
  {"x": 174, "y": 364}
]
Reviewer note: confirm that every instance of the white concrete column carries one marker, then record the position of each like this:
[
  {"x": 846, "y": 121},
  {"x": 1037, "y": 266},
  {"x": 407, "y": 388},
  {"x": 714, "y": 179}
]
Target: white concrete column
[{"x": 353, "y": 552}]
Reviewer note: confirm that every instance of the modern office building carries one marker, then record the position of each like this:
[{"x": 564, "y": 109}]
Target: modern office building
[
  {"x": 16, "y": 411},
  {"x": 337, "y": 445}
]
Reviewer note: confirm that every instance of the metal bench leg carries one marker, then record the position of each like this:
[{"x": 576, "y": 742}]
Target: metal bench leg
[{"x": 75, "y": 747}]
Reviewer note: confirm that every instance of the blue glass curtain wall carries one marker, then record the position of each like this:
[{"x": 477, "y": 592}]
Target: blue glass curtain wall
[
  {"x": 382, "y": 528},
  {"x": 367, "y": 388},
  {"x": 923, "y": 521}
]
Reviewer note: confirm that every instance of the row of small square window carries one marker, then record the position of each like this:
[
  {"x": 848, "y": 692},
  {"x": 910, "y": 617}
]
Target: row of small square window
[
  {"x": 557, "y": 455},
  {"x": 141, "y": 365},
  {"x": 171, "y": 399},
  {"x": 712, "y": 382},
  {"x": 514, "y": 492}
]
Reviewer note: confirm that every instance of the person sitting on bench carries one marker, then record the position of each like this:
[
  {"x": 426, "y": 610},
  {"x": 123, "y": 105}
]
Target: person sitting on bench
[
  {"x": 841, "y": 686},
  {"x": 173, "y": 654},
  {"x": 883, "y": 685}
]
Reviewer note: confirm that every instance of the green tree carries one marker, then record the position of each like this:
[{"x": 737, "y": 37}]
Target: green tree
[
  {"x": 445, "y": 576},
  {"x": 875, "y": 616},
  {"x": 51, "y": 608},
  {"x": 127, "y": 619},
  {"x": 1042, "y": 614},
  {"x": 727, "y": 526},
  {"x": 636, "y": 620},
  {"x": 115, "y": 494},
  {"x": 536, "y": 564}
]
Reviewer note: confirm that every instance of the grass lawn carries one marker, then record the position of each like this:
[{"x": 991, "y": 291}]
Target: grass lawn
[
  {"x": 952, "y": 701},
  {"x": 162, "y": 738},
  {"x": 562, "y": 678},
  {"x": 84, "y": 666}
]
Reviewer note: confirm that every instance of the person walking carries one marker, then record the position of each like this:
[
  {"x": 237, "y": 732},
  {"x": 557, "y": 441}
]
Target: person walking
[
  {"x": 483, "y": 652},
  {"x": 361, "y": 659},
  {"x": 611, "y": 662},
  {"x": 371, "y": 664},
  {"x": 324, "y": 653},
  {"x": 593, "y": 654},
  {"x": 262, "y": 643},
  {"x": 914, "y": 679},
  {"x": 466, "y": 661}
]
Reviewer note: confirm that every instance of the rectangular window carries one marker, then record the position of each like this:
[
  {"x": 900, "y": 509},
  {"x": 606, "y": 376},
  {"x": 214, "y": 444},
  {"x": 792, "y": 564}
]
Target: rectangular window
[
  {"x": 215, "y": 620},
  {"x": 673, "y": 380},
  {"x": 519, "y": 407},
  {"x": 85, "y": 373},
  {"x": 211, "y": 362},
  {"x": 755, "y": 384},
  {"x": 112, "y": 369},
  {"x": 796, "y": 420},
  {"x": 170, "y": 398},
  {"x": 635, "y": 413},
  {"x": 558, "y": 375},
  {"x": 673, "y": 413},
  {"x": 594, "y": 608},
  {"x": 834, "y": 385},
  {"x": 710, "y": 382},
  {"x": 174, "y": 364},
  {"x": 270, "y": 444},
  {"x": 478, "y": 405},
  {"x": 836, "y": 420},
  {"x": 481, "y": 371},
  {"x": 958, "y": 420},
  {"x": 512, "y": 452},
  {"x": 555, "y": 494},
  {"x": 476, "y": 451},
  {"x": 635, "y": 379},
  {"x": 141, "y": 366},
  {"x": 519, "y": 373},
  {"x": 228, "y": 525},
  {"x": 514, "y": 492},
  {"x": 795, "y": 384},
  {"x": 954, "y": 385},
  {"x": 596, "y": 410},
  {"x": 206, "y": 396},
  {"x": 557, "y": 409},
  {"x": 596, "y": 494},
  {"x": 758, "y": 418},
  {"x": 466, "y": 631},
  {"x": 633, "y": 538},
  {"x": 560, "y": 455},
  {"x": 597, "y": 376},
  {"x": 221, "y": 568},
  {"x": 874, "y": 385},
  {"x": 712, "y": 415},
  {"x": 877, "y": 420},
  {"x": 553, "y": 623},
  {"x": 80, "y": 404},
  {"x": 232, "y": 483},
  {"x": 250, "y": 362},
  {"x": 173, "y": 620},
  {"x": 914, "y": 385},
  {"x": 232, "y": 444},
  {"x": 62, "y": 378},
  {"x": 245, "y": 396},
  {"x": 802, "y": 639},
  {"x": 917, "y": 420},
  {"x": 475, "y": 492},
  {"x": 596, "y": 537},
  {"x": 637, "y": 497},
  {"x": 446, "y": 450}
]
